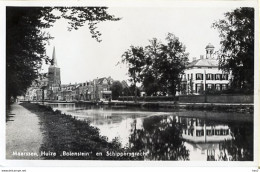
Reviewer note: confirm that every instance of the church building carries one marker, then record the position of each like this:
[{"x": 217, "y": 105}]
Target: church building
[{"x": 54, "y": 81}]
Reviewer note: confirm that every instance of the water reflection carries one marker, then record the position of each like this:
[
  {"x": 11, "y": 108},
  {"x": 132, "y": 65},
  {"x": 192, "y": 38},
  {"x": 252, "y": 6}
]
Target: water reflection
[
  {"x": 240, "y": 147},
  {"x": 161, "y": 138},
  {"x": 188, "y": 135},
  {"x": 204, "y": 137}
]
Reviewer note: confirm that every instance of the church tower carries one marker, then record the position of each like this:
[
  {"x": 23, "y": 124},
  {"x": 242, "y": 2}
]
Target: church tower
[{"x": 54, "y": 72}]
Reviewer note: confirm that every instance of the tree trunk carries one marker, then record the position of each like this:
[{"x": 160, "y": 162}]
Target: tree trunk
[{"x": 135, "y": 93}]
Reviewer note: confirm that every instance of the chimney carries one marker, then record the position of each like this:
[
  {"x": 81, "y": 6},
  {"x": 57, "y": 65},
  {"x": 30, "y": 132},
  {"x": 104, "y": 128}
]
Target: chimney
[
  {"x": 194, "y": 58},
  {"x": 201, "y": 57}
]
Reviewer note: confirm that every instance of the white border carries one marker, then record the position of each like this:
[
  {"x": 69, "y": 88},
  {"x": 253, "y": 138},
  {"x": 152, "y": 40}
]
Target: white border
[{"x": 127, "y": 3}]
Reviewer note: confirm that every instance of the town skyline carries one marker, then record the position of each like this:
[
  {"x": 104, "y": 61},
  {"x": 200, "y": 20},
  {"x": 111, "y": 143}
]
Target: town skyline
[{"x": 82, "y": 58}]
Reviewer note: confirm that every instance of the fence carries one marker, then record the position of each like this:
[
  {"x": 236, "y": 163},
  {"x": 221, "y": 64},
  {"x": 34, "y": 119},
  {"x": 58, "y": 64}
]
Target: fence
[
  {"x": 149, "y": 98},
  {"x": 194, "y": 98},
  {"x": 216, "y": 99}
]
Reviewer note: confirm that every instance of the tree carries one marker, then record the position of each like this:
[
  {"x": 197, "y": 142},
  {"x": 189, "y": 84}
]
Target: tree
[
  {"x": 116, "y": 89},
  {"x": 171, "y": 63},
  {"x": 237, "y": 46},
  {"x": 135, "y": 58},
  {"x": 26, "y": 40},
  {"x": 159, "y": 66},
  {"x": 150, "y": 84},
  {"x": 151, "y": 73}
]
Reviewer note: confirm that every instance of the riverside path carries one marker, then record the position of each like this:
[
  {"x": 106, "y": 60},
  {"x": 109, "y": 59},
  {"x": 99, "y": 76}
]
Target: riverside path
[{"x": 23, "y": 134}]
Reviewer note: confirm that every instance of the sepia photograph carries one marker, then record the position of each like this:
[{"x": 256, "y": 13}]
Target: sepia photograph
[{"x": 130, "y": 83}]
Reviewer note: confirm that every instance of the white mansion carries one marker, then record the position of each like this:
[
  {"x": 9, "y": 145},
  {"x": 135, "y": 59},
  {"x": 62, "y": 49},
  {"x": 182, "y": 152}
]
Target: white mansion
[{"x": 203, "y": 73}]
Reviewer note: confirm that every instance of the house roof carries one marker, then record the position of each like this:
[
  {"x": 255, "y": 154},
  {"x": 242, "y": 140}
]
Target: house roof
[
  {"x": 101, "y": 80},
  {"x": 203, "y": 63},
  {"x": 124, "y": 84}
]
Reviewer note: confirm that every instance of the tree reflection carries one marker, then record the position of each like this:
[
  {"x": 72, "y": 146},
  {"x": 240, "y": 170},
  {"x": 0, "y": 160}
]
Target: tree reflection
[
  {"x": 160, "y": 137},
  {"x": 240, "y": 147}
]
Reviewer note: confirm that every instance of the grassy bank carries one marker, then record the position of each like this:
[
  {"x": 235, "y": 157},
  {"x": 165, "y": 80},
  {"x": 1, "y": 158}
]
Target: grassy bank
[{"x": 78, "y": 139}]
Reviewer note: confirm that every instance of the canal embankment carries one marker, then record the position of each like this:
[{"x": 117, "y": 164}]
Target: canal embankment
[
  {"x": 66, "y": 137},
  {"x": 223, "y": 103},
  {"x": 220, "y": 107}
]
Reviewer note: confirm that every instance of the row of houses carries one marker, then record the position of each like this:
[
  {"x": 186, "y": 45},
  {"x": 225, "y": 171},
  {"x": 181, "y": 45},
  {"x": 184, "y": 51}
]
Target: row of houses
[{"x": 97, "y": 89}]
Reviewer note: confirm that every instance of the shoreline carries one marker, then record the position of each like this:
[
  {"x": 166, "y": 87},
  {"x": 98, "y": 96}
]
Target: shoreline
[{"x": 221, "y": 107}]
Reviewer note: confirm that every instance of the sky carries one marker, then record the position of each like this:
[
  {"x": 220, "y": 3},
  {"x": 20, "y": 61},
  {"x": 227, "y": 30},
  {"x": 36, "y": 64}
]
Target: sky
[{"x": 81, "y": 58}]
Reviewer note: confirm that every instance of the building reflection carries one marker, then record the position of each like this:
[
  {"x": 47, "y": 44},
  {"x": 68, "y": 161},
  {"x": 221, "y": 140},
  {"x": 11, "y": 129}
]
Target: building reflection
[{"x": 205, "y": 138}]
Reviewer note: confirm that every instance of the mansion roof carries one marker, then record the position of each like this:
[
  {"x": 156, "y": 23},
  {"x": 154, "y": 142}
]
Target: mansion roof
[{"x": 203, "y": 63}]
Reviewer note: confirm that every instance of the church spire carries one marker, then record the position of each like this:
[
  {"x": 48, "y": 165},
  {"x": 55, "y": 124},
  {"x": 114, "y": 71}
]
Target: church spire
[{"x": 54, "y": 60}]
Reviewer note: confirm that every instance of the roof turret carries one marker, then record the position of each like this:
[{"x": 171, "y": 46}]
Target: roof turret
[{"x": 210, "y": 46}]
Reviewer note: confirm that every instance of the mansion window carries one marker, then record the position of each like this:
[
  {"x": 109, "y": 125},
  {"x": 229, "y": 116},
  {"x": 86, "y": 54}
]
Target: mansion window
[
  {"x": 184, "y": 77},
  {"x": 199, "y": 122},
  {"x": 224, "y": 86},
  {"x": 221, "y": 132},
  {"x": 218, "y": 77},
  {"x": 199, "y": 76},
  {"x": 199, "y": 87},
  {"x": 188, "y": 76},
  {"x": 209, "y": 86},
  {"x": 200, "y": 133},
  {"x": 210, "y": 132},
  {"x": 218, "y": 87},
  {"x": 191, "y": 76},
  {"x": 209, "y": 76},
  {"x": 225, "y": 77}
]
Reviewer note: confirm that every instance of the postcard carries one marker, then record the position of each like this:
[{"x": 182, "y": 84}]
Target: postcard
[{"x": 130, "y": 83}]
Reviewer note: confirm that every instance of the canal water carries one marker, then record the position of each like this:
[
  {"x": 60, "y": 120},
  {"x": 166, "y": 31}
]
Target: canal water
[{"x": 172, "y": 135}]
